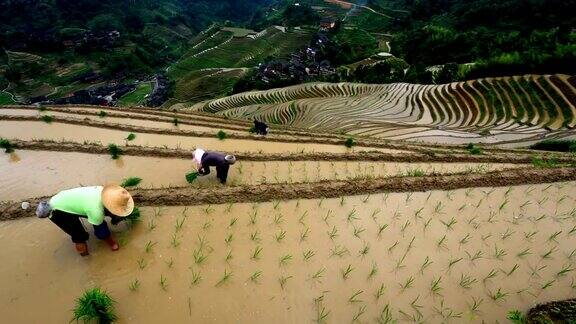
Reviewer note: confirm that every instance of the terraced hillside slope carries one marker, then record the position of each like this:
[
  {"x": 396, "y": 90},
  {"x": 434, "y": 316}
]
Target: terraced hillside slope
[
  {"x": 511, "y": 111},
  {"x": 219, "y": 56}
]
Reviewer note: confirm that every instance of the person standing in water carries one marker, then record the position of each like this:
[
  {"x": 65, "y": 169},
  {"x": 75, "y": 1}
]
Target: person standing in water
[
  {"x": 204, "y": 160},
  {"x": 93, "y": 203}
]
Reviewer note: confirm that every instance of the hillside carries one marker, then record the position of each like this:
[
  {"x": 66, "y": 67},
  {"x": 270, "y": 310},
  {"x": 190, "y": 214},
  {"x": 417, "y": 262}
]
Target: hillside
[
  {"x": 506, "y": 111},
  {"x": 218, "y": 57}
]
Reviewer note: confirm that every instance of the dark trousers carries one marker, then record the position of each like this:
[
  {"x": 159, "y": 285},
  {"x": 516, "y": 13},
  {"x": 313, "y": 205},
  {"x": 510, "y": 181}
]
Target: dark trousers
[
  {"x": 71, "y": 224},
  {"x": 221, "y": 172}
]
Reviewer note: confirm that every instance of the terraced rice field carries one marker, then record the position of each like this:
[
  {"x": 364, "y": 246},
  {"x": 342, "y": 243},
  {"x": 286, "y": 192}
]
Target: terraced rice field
[
  {"x": 306, "y": 230},
  {"x": 509, "y": 111}
]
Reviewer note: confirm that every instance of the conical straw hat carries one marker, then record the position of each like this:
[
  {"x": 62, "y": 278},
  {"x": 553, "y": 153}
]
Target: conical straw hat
[{"x": 117, "y": 200}]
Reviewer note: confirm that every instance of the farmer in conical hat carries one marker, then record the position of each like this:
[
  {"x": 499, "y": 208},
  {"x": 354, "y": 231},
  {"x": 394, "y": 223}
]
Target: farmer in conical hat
[
  {"x": 204, "y": 160},
  {"x": 93, "y": 203}
]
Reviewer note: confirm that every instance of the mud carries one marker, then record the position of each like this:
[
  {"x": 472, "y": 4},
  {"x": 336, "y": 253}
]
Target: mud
[
  {"x": 184, "y": 196},
  {"x": 42, "y": 270},
  {"x": 59, "y": 170},
  {"x": 133, "y": 150}
]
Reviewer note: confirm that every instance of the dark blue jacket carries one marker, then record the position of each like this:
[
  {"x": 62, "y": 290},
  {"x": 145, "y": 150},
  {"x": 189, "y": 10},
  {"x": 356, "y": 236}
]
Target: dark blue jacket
[{"x": 217, "y": 160}]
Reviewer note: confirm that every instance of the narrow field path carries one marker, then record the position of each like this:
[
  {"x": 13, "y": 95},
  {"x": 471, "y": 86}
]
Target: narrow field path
[{"x": 188, "y": 196}]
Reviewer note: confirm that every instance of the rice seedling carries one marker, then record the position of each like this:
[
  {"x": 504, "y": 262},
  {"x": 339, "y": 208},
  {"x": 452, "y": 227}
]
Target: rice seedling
[
  {"x": 498, "y": 295},
  {"x": 391, "y": 248},
  {"x": 321, "y": 313},
  {"x": 130, "y": 137},
  {"x": 179, "y": 224},
  {"x": 523, "y": 253},
  {"x": 342, "y": 201},
  {"x": 442, "y": 242},
  {"x": 409, "y": 196},
  {"x": 48, "y": 119},
  {"x": 253, "y": 218},
  {"x": 175, "y": 121},
  {"x": 478, "y": 255},
  {"x": 426, "y": 264},
  {"x": 196, "y": 278},
  {"x": 552, "y": 238},
  {"x": 465, "y": 239},
  {"x": 338, "y": 251},
  {"x": 364, "y": 251},
  {"x": 491, "y": 275},
  {"x": 572, "y": 231},
  {"x": 255, "y": 236},
  {"x": 114, "y": 151},
  {"x": 548, "y": 254},
  {"x": 327, "y": 216},
  {"x": 174, "y": 242},
  {"x": 548, "y": 284},
  {"x": 499, "y": 253},
  {"x": 404, "y": 227},
  {"x": 95, "y": 305},
  {"x": 6, "y": 145},
  {"x": 407, "y": 284},
  {"x": 386, "y": 316},
  {"x": 475, "y": 305},
  {"x": 571, "y": 255},
  {"x": 318, "y": 274},
  {"x": 256, "y": 253},
  {"x": 452, "y": 262},
  {"x": 134, "y": 216},
  {"x": 373, "y": 270},
  {"x": 426, "y": 224},
  {"x": 466, "y": 281},
  {"x": 163, "y": 282},
  {"x": 308, "y": 255},
  {"x": 358, "y": 231},
  {"x": 285, "y": 259},
  {"x": 450, "y": 223},
  {"x": 435, "y": 286},
  {"x": 351, "y": 216},
  {"x": 438, "y": 208},
  {"x": 279, "y": 218},
  {"x": 304, "y": 234},
  {"x": 333, "y": 233},
  {"x": 228, "y": 256},
  {"x": 530, "y": 235},
  {"x": 565, "y": 269},
  {"x": 225, "y": 277},
  {"x": 381, "y": 229},
  {"x": 354, "y": 298},
  {"x": 283, "y": 280},
  {"x": 134, "y": 285},
  {"x": 199, "y": 256},
  {"x": 514, "y": 268},
  {"x": 360, "y": 312},
  {"x": 491, "y": 217},
  {"x": 169, "y": 263},
  {"x": 346, "y": 272},
  {"x": 131, "y": 182},
  {"x": 149, "y": 246},
  {"x": 191, "y": 176},
  {"x": 141, "y": 263},
  {"x": 507, "y": 234},
  {"x": 255, "y": 277},
  {"x": 280, "y": 236}
]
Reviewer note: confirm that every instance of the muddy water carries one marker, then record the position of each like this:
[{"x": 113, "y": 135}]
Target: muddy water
[
  {"x": 465, "y": 235},
  {"x": 27, "y": 174},
  {"x": 26, "y": 130},
  {"x": 123, "y": 121}
]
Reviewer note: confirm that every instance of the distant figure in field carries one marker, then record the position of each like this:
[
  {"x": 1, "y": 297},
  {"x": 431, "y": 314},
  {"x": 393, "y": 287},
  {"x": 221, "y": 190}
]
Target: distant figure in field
[
  {"x": 260, "y": 127},
  {"x": 205, "y": 159},
  {"x": 93, "y": 203}
]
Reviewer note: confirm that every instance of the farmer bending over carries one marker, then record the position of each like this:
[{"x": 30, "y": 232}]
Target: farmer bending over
[
  {"x": 260, "y": 127},
  {"x": 204, "y": 160},
  {"x": 93, "y": 203}
]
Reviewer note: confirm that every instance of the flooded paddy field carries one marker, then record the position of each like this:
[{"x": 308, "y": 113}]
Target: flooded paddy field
[
  {"x": 30, "y": 130},
  {"x": 20, "y": 171},
  {"x": 467, "y": 255}
]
